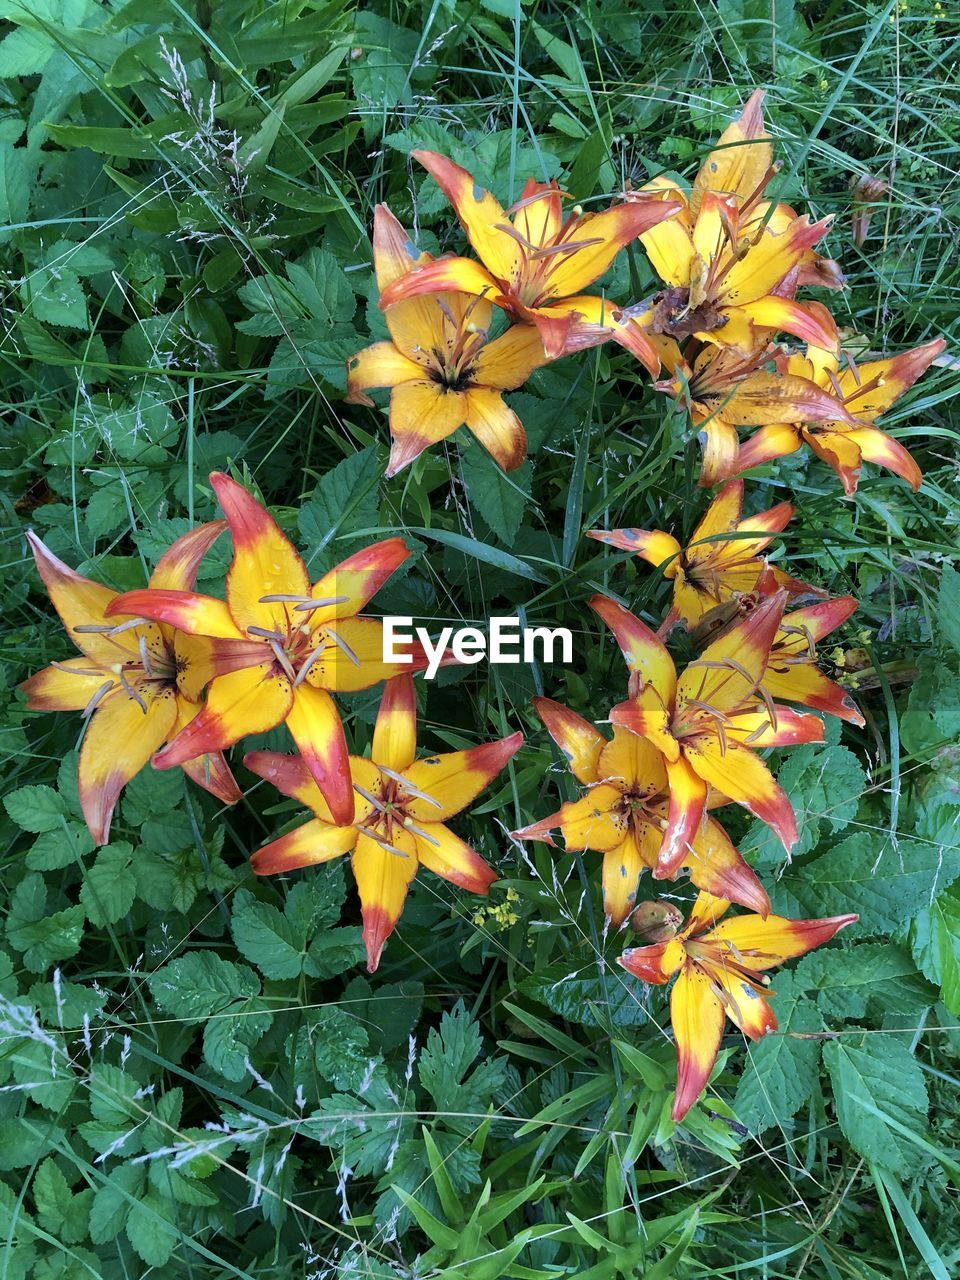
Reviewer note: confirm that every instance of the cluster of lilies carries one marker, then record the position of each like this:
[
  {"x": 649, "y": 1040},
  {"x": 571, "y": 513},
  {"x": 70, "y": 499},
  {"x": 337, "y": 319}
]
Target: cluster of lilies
[
  {"x": 169, "y": 675},
  {"x": 731, "y": 262}
]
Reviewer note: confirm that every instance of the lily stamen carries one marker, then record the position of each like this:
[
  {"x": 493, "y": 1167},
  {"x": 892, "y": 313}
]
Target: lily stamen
[
  {"x": 409, "y": 787},
  {"x": 342, "y": 644}
]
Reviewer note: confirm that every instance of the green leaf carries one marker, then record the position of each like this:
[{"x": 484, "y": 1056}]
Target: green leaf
[
  {"x": 843, "y": 980},
  {"x": 389, "y": 1011},
  {"x": 874, "y": 1077},
  {"x": 201, "y": 983},
  {"x": 446, "y": 1060},
  {"x": 345, "y": 499},
  {"x": 59, "y": 848},
  {"x": 266, "y": 937},
  {"x": 341, "y": 1052},
  {"x": 109, "y": 886},
  {"x": 824, "y": 785},
  {"x": 62, "y": 1212},
  {"x": 935, "y": 941},
  {"x": 151, "y": 1230},
  {"x": 948, "y": 611},
  {"x": 229, "y": 1036},
  {"x": 36, "y": 809},
  {"x": 780, "y": 1073},
  {"x": 593, "y": 1000},
  {"x": 885, "y": 886},
  {"x": 112, "y": 1202},
  {"x": 43, "y": 938},
  {"x": 498, "y": 498}
]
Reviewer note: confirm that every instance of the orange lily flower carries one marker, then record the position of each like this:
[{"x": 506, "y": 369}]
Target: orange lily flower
[
  {"x": 533, "y": 261},
  {"x": 708, "y": 721},
  {"x": 792, "y": 673},
  {"x": 623, "y": 814},
  {"x": 725, "y": 388},
  {"x": 720, "y": 974},
  {"x": 287, "y": 643},
  {"x": 135, "y": 683},
  {"x": 722, "y": 560},
  {"x": 865, "y": 392},
  {"x": 402, "y": 807},
  {"x": 732, "y": 261},
  {"x": 441, "y": 367}
]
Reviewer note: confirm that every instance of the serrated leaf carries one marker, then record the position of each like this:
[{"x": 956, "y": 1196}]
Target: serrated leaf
[
  {"x": 843, "y": 980},
  {"x": 62, "y": 1212},
  {"x": 151, "y": 1230},
  {"x": 780, "y": 1073},
  {"x": 344, "y": 500},
  {"x": 229, "y": 1036},
  {"x": 43, "y": 938},
  {"x": 935, "y": 942},
  {"x": 948, "y": 611},
  {"x": 885, "y": 886},
  {"x": 499, "y": 498},
  {"x": 112, "y": 1202},
  {"x": 35, "y": 809},
  {"x": 824, "y": 785},
  {"x": 875, "y": 1077},
  {"x": 109, "y": 886},
  {"x": 266, "y": 938},
  {"x": 59, "y": 848},
  {"x": 389, "y": 1011},
  {"x": 590, "y": 999},
  {"x": 201, "y": 983}
]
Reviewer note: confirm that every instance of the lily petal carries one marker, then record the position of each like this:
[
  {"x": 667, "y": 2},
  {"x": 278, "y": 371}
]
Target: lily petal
[
  {"x": 743, "y": 1004},
  {"x": 632, "y": 763},
  {"x": 292, "y": 777},
  {"x": 508, "y": 361},
  {"x": 644, "y": 714},
  {"x": 379, "y": 365},
  {"x": 265, "y": 562},
  {"x": 176, "y": 570},
  {"x": 805, "y": 683},
  {"x": 769, "y": 443},
  {"x": 456, "y": 778},
  {"x": 355, "y": 581},
  {"x": 718, "y": 867},
  {"x": 644, "y": 653},
  {"x": 68, "y": 686},
  {"x": 382, "y": 882},
  {"x": 697, "y": 1016},
  {"x": 395, "y": 733},
  {"x": 119, "y": 741},
  {"x": 579, "y": 740},
  {"x": 592, "y": 822},
  {"x": 446, "y": 855},
  {"x": 610, "y": 231},
  {"x": 655, "y": 964},
  {"x": 421, "y": 414},
  {"x": 496, "y": 426},
  {"x": 739, "y": 774},
  {"x": 480, "y": 214},
  {"x": 211, "y": 771},
  {"x": 244, "y": 702},
  {"x": 660, "y": 549},
  {"x": 882, "y": 450},
  {"x": 755, "y": 728},
  {"x": 741, "y": 158},
  {"x": 765, "y": 943},
  {"x": 316, "y": 728},
  {"x": 890, "y": 379},
  {"x": 186, "y": 610},
  {"x": 622, "y": 866},
  {"x": 308, "y": 846},
  {"x": 685, "y": 815}
]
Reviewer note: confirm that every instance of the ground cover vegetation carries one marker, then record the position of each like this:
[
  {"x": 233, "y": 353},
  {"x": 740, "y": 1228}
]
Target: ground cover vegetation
[{"x": 640, "y": 321}]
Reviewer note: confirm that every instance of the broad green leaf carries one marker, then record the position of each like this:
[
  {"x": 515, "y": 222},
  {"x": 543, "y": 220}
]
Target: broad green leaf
[
  {"x": 935, "y": 941},
  {"x": 43, "y": 938},
  {"x": 843, "y": 980},
  {"x": 780, "y": 1073},
  {"x": 109, "y": 886},
  {"x": 591, "y": 999},
  {"x": 201, "y": 983},
  {"x": 151, "y": 1229},
  {"x": 62, "y": 1212},
  {"x": 874, "y": 1077},
  {"x": 345, "y": 499},
  {"x": 266, "y": 937},
  {"x": 36, "y": 808},
  {"x": 498, "y": 498}
]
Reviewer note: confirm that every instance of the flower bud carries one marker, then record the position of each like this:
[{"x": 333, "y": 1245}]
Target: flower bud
[{"x": 656, "y": 921}]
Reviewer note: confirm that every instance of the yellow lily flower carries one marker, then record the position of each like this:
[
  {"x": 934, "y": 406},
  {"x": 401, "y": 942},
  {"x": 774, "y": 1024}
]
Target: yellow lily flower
[
  {"x": 136, "y": 682},
  {"x": 722, "y": 561},
  {"x": 720, "y": 968},
  {"x": 724, "y": 388},
  {"x": 623, "y": 815},
  {"x": 279, "y": 645},
  {"x": 534, "y": 263},
  {"x": 708, "y": 721},
  {"x": 402, "y": 807},
  {"x": 864, "y": 392},
  {"x": 443, "y": 370},
  {"x": 732, "y": 261}
]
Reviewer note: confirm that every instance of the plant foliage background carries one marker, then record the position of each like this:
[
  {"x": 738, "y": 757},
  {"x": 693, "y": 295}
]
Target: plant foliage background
[{"x": 198, "y": 1078}]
